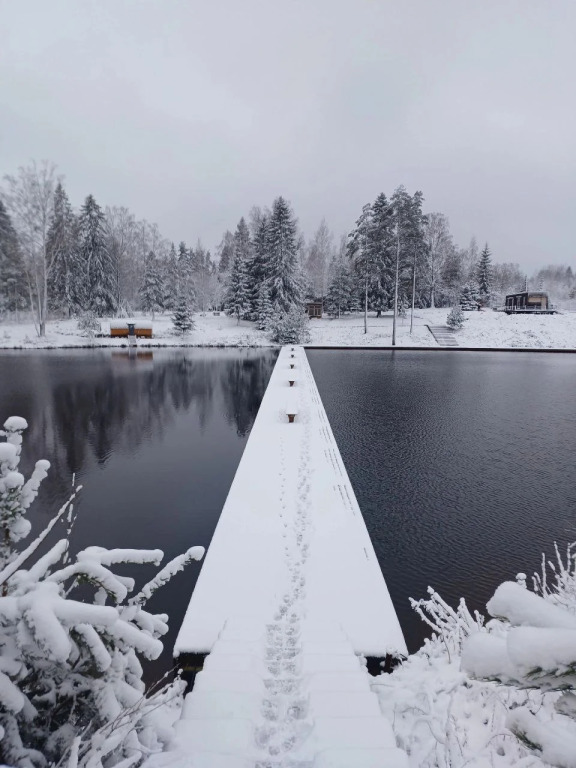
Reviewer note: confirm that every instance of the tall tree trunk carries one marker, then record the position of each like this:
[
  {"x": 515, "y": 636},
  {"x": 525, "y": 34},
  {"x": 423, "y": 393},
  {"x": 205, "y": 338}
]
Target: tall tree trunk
[
  {"x": 396, "y": 289},
  {"x": 413, "y": 293},
  {"x": 366, "y": 306}
]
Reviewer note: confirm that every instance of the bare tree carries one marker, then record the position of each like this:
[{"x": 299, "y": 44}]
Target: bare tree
[
  {"x": 318, "y": 259},
  {"x": 438, "y": 241},
  {"x": 29, "y": 198}
]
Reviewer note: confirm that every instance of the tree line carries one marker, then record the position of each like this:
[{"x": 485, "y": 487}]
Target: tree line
[{"x": 60, "y": 262}]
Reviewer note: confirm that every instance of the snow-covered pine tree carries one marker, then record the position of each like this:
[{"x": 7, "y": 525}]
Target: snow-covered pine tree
[
  {"x": 284, "y": 278},
  {"x": 484, "y": 275},
  {"x": 264, "y": 308},
  {"x": 361, "y": 255},
  {"x": 258, "y": 270},
  {"x": 293, "y": 327},
  {"x": 455, "y": 319},
  {"x": 468, "y": 298},
  {"x": 237, "y": 297},
  {"x": 225, "y": 252},
  {"x": 12, "y": 274},
  {"x": 62, "y": 245},
  {"x": 340, "y": 289},
  {"x": 71, "y": 688},
  {"x": 182, "y": 316},
  {"x": 152, "y": 288},
  {"x": 97, "y": 289},
  {"x": 186, "y": 285},
  {"x": 171, "y": 280}
]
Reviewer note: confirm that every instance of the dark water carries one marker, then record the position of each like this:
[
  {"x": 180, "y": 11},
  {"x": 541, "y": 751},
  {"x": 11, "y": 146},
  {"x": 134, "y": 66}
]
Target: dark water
[
  {"x": 462, "y": 463},
  {"x": 154, "y": 438}
]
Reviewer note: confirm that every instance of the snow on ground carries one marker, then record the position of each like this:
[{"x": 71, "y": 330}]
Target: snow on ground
[{"x": 481, "y": 329}]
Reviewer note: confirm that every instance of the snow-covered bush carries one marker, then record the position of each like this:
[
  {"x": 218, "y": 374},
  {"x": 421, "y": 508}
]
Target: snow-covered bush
[
  {"x": 499, "y": 693},
  {"x": 291, "y": 328},
  {"x": 71, "y": 688},
  {"x": 182, "y": 316},
  {"x": 532, "y": 644},
  {"x": 455, "y": 318},
  {"x": 468, "y": 298},
  {"x": 89, "y": 325}
]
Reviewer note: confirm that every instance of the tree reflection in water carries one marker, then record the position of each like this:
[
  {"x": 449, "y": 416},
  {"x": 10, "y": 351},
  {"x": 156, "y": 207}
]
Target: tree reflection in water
[{"x": 154, "y": 438}]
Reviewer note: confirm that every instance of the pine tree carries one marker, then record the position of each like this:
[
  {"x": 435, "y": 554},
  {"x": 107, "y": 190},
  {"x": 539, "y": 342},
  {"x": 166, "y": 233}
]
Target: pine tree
[
  {"x": 182, "y": 316},
  {"x": 455, "y": 318},
  {"x": 484, "y": 274},
  {"x": 340, "y": 290},
  {"x": 95, "y": 284},
  {"x": 12, "y": 277},
  {"x": 284, "y": 276},
  {"x": 152, "y": 288},
  {"x": 171, "y": 279},
  {"x": 264, "y": 308},
  {"x": 186, "y": 274},
  {"x": 468, "y": 298},
  {"x": 225, "y": 252},
  {"x": 63, "y": 248},
  {"x": 361, "y": 254},
  {"x": 237, "y": 298},
  {"x": 258, "y": 269}
]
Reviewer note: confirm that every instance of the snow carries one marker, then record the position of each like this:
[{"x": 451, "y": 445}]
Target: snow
[
  {"x": 481, "y": 329},
  {"x": 303, "y": 491},
  {"x": 522, "y": 607}
]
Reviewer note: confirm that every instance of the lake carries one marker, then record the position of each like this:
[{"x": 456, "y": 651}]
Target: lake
[
  {"x": 154, "y": 437},
  {"x": 462, "y": 463}
]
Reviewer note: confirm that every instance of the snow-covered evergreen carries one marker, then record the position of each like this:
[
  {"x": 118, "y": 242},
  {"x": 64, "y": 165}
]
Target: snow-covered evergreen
[
  {"x": 182, "y": 315},
  {"x": 237, "y": 296},
  {"x": 152, "y": 291},
  {"x": 171, "y": 279},
  {"x": 468, "y": 298},
  {"x": 484, "y": 275},
  {"x": 186, "y": 287},
  {"x": 264, "y": 308},
  {"x": 455, "y": 319},
  {"x": 64, "y": 254},
  {"x": 95, "y": 286},
  {"x": 283, "y": 270},
  {"x": 293, "y": 327},
  {"x": 71, "y": 688}
]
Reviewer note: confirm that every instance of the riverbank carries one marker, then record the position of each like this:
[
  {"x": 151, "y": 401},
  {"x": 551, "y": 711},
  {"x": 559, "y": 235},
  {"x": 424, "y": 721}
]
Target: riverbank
[{"x": 486, "y": 329}]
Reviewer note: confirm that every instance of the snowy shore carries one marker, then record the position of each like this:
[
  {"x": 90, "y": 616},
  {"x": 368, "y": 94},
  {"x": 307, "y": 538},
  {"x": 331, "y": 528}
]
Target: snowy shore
[{"x": 486, "y": 329}]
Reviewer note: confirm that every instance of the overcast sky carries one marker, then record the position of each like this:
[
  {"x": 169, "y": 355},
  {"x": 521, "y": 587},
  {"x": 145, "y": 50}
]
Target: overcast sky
[{"x": 189, "y": 112}]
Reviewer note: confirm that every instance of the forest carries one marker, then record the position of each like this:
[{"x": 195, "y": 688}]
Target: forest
[{"x": 58, "y": 261}]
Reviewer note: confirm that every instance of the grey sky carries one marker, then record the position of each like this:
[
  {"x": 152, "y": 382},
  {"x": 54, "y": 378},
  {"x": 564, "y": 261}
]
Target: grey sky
[{"x": 190, "y": 112}]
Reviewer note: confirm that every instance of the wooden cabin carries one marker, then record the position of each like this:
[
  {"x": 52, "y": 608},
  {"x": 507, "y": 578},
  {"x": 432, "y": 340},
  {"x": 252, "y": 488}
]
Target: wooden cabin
[
  {"x": 528, "y": 302},
  {"x": 314, "y": 309},
  {"x": 126, "y": 328}
]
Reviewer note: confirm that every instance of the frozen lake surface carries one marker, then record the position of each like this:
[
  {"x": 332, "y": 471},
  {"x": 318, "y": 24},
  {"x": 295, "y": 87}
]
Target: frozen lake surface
[{"x": 462, "y": 464}]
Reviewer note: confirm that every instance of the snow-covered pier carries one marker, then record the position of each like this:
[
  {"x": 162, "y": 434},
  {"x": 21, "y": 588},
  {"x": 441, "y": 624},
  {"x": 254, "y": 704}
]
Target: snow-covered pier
[{"x": 289, "y": 603}]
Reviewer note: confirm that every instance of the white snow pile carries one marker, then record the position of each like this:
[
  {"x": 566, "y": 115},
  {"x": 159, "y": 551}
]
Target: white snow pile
[
  {"x": 501, "y": 693},
  {"x": 71, "y": 689}
]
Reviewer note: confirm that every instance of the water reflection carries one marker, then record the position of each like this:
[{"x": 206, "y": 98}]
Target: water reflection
[{"x": 154, "y": 438}]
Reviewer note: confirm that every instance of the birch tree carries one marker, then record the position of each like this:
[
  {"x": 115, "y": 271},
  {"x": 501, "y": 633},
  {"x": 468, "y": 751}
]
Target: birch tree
[
  {"x": 29, "y": 197},
  {"x": 438, "y": 242}
]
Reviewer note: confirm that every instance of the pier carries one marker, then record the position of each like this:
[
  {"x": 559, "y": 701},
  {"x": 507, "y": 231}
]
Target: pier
[{"x": 291, "y": 612}]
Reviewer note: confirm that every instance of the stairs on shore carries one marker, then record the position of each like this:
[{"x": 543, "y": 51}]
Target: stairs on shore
[{"x": 443, "y": 335}]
